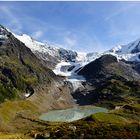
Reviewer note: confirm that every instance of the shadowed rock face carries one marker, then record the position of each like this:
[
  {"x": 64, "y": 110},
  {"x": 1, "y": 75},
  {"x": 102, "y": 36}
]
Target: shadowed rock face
[
  {"x": 107, "y": 66},
  {"x": 97, "y": 66}
]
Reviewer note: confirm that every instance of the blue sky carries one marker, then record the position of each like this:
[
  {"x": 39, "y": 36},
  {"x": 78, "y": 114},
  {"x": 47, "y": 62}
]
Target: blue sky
[{"x": 81, "y": 26}]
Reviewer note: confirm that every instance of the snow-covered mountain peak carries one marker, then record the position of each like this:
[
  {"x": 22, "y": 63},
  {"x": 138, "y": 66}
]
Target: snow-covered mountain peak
[
  {"x": 129, "y": 52},
  {"x": 46, "y": 51},
  {"x": 134, "y": 47},
  {"x": 49, "y": 52},
  {"x": 131, "y": 48},
  {"x": 29, "y": 42}
]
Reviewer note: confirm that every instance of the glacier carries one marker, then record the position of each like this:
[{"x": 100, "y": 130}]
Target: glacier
[{"x": 69, "y": 62}]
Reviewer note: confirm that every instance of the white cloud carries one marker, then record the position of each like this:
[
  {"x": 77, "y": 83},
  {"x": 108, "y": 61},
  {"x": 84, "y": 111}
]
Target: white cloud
[
  {"x": 123, "y": 23},
  {"x": 13, "y": 22},
  {"x": 123, "y": 8},
  {"x": 70, "y": 42},
  {"x": 37, "y": 34}
]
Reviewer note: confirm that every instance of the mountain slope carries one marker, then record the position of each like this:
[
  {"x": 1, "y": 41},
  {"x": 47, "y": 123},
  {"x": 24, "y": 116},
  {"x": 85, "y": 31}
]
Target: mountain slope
[
  {"x": 107, "y": 66},
  {"x": 28, "y": 88},
  {"x": 98, "y": 84},
  {"x": 25, "y": 83},
  {"x": 129, "y": 52},
  {"x": 18, "y": 69},
  {"x": 49, "y": 53}
]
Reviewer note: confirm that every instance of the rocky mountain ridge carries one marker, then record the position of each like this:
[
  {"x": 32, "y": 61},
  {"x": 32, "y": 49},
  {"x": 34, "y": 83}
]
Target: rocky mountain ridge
[{"x": 52, "y": 55}]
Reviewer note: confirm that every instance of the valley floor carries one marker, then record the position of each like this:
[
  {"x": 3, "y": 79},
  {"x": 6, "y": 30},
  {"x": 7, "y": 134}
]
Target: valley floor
[{"x": 117, "y": 123}]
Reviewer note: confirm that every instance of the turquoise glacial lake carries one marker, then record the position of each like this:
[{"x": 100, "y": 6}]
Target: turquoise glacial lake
[{"x": 72, "y": 114}]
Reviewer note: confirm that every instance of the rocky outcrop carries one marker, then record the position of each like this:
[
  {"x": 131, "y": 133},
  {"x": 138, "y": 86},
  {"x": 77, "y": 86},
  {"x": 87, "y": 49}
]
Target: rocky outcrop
[{"x": 107, "y": 66}]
